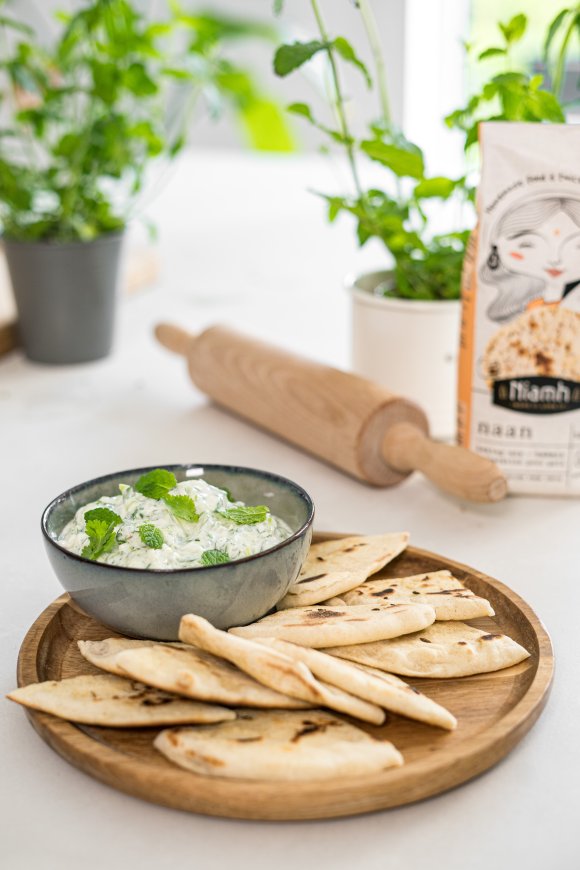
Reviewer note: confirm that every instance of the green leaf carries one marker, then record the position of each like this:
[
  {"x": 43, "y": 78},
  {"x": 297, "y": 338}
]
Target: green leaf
[
  {"x": 514, "y": 29},
  {"x": 245, "y": 515},
  {"x": 290, "y": 57},
  {"x": 156, "y": 484},
  {"x": 13, "y": 24},
  {"x": 347, "y": 52},
  {"x": 549, "y": 108},
  {"x": 553, "y": 29},
  {"x": 335, "y": 206},
  {"x": 138, "y": 81},
  {"x": 151, "y": 536},
  {"x": 265, "y": 126},
  {"x": 278, "y": 7},
  {"x": 104, "y": 515},
  {"x": 437, "y": 186},
  {"x": 214, "y": 557},
  {"x": 100, "y": 528},
  {"x": 301, "y": 109},
  {"x": 492, "y": 52},
  {"x": 403, "y": 162},
  {"x": 182, "y": 506}
]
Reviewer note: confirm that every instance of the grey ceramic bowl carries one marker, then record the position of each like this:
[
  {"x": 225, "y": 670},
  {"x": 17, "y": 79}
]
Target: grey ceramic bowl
[{"x": 147, "y": 603}]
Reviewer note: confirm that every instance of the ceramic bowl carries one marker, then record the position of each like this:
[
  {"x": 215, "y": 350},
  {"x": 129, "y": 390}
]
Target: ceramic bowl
[{"x": 147, "y": 603}]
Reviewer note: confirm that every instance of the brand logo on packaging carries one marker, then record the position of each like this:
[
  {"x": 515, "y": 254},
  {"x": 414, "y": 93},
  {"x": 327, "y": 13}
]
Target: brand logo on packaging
[{"x": 537, "y": 395}]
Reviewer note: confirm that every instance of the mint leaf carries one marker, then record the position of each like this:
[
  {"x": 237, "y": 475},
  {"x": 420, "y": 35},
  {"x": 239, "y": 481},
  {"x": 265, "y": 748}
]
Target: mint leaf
[
  {"x": 151, "y": 536},
  {"x": 103, "y": 514},
  {"x": 100, "y": 528},
  {"x": 290, "y": 57},
  {"x": 405, "y": 162},
  {"x": 182, "y": 506},
  {"x": 246, "y": 516},
  {"x": 514, "y": 29},
  {"x": 438, "y": 186},
  {"x": 348, "y": 54},
  {"x": 156, "y": 484},
  {"x": 214, "y": 557}
]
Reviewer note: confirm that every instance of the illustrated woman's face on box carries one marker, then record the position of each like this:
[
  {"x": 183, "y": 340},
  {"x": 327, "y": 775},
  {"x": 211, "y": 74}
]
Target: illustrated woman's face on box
[{"x": 550, "y": 251}]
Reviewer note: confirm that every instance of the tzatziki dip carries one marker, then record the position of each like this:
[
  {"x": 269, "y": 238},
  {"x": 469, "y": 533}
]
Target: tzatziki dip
[{"x": 162, "y": 525}]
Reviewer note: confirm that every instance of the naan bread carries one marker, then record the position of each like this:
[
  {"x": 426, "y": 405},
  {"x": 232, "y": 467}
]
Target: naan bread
[
  {"x": 115, "y": 702},
  {"x": 340, "y": 625},
  {"x": 373, "y": 685},
  {"x": 104, "y": 653},
  {"x": 440, "y": 589},
  {"x": 445, "y": 649},
  {"x": 278, "y": 746},
  {"x": 544, "y": 341},
  {"x": 200, "y": 675},
  {"x": 333, "y": 567},
  {"x": 274, "y": 669}
]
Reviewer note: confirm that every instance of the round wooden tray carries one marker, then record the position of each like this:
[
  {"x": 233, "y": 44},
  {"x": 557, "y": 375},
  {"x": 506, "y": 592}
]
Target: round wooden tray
[{"x": 494, "y": 712}]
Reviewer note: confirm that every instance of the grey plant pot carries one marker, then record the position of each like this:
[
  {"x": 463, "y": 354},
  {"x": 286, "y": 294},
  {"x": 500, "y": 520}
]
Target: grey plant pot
[{"x": 65, "y": 297}]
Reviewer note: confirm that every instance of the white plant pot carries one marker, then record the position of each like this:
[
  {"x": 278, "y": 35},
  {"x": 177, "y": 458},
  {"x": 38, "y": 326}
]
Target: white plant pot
[{"x": 409, "y": 347}]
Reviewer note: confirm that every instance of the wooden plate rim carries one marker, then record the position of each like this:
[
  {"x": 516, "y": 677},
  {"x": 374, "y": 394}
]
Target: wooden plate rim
[{"x": 479, "y": 754}]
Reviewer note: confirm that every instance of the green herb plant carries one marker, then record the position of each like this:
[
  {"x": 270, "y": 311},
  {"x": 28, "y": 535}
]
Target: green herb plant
[
  {"x": 81, "y": 120},
  {"x": 425, "y": 265},
  {"x": 513, "y": 94}
]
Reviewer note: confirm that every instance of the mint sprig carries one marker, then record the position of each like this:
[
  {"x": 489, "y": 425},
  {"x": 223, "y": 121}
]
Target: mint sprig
[
  {"x": 100, "y": 528},
  {"x": 152, "y": 536},
  {"x": 182, "y": 506},
  {"x": 246, "y": 515},
  {"x": 156, "y": 484},
  {"x": 214, "y": 557}
]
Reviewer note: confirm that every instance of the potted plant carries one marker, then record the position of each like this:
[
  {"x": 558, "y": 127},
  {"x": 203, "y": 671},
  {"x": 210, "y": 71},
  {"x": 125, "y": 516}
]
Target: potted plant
[
  {"x": 83, "y": 120},
  {"x": 406, "y": 316}
]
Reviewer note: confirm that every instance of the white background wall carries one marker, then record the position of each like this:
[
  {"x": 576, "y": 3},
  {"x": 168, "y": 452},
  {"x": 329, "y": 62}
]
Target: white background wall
[{"x": 296, "y": 23}]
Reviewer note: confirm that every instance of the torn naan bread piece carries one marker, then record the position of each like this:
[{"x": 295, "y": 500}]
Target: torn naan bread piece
[
  {"x": 278, "y": 746},
  {"x": 198, "y": 674},
  {"x": 440, "y": 589},
  {"x": 340, "y": 625},
  {"x": 115, "y": 702},
  {"x": 373, "y": 685},
  {"x": 273, "y": 669},
  {"x": 444, "y": 649},
  {"x": 334, "y": 567}
]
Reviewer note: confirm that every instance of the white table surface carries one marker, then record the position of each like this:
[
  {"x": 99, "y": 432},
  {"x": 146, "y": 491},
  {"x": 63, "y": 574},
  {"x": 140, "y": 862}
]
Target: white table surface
[{"x": 244, "y": 244}]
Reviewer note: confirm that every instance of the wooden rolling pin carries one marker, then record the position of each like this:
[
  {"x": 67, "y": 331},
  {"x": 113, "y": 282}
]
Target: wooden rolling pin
[{"x": 344, "y": 419}]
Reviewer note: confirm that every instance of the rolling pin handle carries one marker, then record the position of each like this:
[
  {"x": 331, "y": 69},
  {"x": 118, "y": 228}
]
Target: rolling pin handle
[
  {"x": 454, "y": 469},
  {"x": 174, "y": 338}
]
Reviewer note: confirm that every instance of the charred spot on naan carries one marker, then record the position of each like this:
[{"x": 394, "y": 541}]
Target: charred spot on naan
[{"x": 311, "y": 578}]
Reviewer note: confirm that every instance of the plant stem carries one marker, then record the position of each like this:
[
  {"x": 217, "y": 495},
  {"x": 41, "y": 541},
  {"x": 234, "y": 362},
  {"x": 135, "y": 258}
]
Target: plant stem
[
  {"x": 338, "y": 98},
  {"x": 370, "y": 26},
  {"x": 561, "y": 60},
  {"x": 372, "y": 32}
]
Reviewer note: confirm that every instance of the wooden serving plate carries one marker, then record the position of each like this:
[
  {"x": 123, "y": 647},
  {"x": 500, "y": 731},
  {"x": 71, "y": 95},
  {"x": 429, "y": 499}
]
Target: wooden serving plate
[{"x": 494, "y": 711}]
